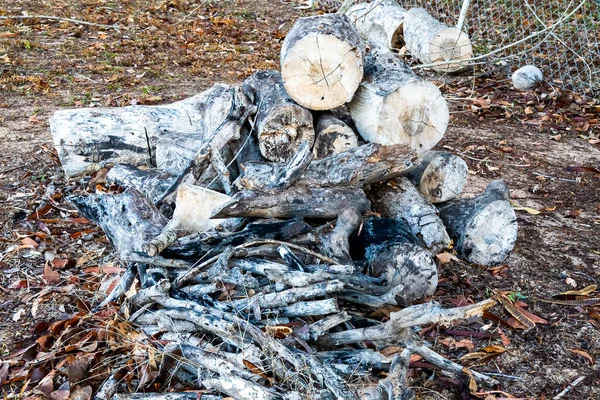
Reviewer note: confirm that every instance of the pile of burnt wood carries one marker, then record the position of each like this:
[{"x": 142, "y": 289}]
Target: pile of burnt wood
[{"x": 266, "y": 220}]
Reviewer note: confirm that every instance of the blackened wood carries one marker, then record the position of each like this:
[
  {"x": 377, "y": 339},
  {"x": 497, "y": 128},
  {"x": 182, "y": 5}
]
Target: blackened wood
[
  {"x": 293, "y": 202},
  {"x": 197, "y": 245},
  {"x": 332, "y": 136},
  {"x": 151, "y": 183},
  {"x": 440, "y": 177},
  {"x": 375, "y": 231},
  {"x": 400, "y": 199},
  {"x": 90, "y": 138},
  {"x": 128, "y": 219},
  {"x": 484, "y": 228},
  {"x": 281, "y": 124},
  {"x": 362, "y": 165},
  {"x": 294, "y": 169}
]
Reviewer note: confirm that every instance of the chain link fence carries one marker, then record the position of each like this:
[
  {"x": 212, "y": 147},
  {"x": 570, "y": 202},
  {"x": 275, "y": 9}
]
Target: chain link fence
[{"x": 561, "y": 37}]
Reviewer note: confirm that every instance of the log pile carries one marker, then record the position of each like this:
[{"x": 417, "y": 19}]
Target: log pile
[{"x": 264, "y": 222}]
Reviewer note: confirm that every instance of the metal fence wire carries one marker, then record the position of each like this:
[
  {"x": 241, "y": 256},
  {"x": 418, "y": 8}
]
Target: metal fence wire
[{"x": 561, "y": 37}]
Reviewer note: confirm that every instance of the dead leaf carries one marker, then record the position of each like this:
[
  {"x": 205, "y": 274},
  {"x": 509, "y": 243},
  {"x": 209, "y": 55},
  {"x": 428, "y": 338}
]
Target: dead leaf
[
  {"x": 452, "y": 344},
  {"x": 17, "y": 315},
  {"x": 573, "y": 213},
  {"x": 51, "y": 277},
  {"x": 28, "y": 243},
  {"x": 556, "y": 137},
  {"x": 583, "y": 169},
  {"x": 584, "y": 354},
  {"x": 529, "y": 210},
  {"x": 446, "y": 257},
  {"x": 279, "y": 332},
  {"x": 571, "y": 282},
  {"x": 581, "y": 292},
  {"x": 98, "y": 178},
  {"x": 504, "y": 338},
  {"x": 391, "y": 350},
  {"x": 3, "y": 371},
  {"x": 515, "y": 312},
  {"x": 254, "y": 369},
  {"x": 84, "y": 393},
  {"x": 498, "y": 269},
  {"x": 533, "y": 317},
  {"x": 9, "y": 34}
]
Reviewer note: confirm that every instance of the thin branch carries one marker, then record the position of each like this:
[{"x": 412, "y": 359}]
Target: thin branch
[{"x": 62, "y": 19}]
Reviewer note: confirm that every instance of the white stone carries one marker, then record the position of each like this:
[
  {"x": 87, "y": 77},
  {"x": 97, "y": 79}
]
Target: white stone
[{"x": 527, "y": 77}]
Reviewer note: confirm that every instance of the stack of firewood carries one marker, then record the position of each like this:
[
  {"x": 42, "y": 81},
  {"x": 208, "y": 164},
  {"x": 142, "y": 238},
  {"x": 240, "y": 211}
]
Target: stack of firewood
[{"x": 265, "y": 220}]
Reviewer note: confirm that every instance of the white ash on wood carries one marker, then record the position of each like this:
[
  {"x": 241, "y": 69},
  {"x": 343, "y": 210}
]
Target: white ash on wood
[
  {"x": 432, "y": 42},
  {"x": 322, "y": 61},
  {"x": 90, "y": 138},
  {"x": 389, "y": 14},
  {"x": 393, "y": 105}
]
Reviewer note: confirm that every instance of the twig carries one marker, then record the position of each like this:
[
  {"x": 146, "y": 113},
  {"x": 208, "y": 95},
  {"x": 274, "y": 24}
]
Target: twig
[
  {"x": 554, "y": 177},
  {"x": 4, "y": 171},
  {"x": 568, "y": 388},
  {"x": 191, "y": 12},
  {"x": 63, "y": 19}
]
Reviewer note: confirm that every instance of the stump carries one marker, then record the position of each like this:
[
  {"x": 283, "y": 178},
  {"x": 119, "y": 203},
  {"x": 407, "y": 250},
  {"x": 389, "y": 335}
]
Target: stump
[
  {"x": 484, "y": 228},
  {"x": 433, "y": 42},
  {"x": 322, "y": 61},
  {"x": 281, "y": 124},
  {"x": 393, "y": 105},
  {"x": 440, "y": 176},
  {"x": 389, "y": 14}
]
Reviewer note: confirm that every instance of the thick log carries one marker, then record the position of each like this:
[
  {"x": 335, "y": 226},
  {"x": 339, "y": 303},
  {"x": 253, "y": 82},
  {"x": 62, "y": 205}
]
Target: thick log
[
  {"x": 281, "y": 124},
  {"x": 322, "y": 61},
  {"x": 403, "y": 265},
  {"x": 433, "y": 42},
  {"x": 297, "y": 201},
  {"x": 174, "y": 152},
  {"x": 360, "y": 166},
  {"x": 389, "y": 14},
  {"x": 151, "y": 183},
  {"x": 393, "y": 105},
  {"x": 193, "y": 208},
  {"x": 484, "y": 228},
  {"x": 332, "y": 136},
  {"x": 400, "y": 199},
  {"x": 90, "y": 138},
  {"x": 236, "y": 116},
  {"x": 440, "y": 177},
  {"x": 295, "y": 168},
  {"x": 128, "y": 219}
]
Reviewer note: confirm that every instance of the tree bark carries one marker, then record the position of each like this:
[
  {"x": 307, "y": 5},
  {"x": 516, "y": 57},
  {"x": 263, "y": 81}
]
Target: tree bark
[
  {"x": 322, "y": 61},
  {"x": 440, "y": 176},
  {"x": 296, "y": 201},
  {"x": 389, "y": 14},
  {"x": 128, "y": 219},
  {"x": 281, "y": 124},
  {"x": 333, "y": 136},
  {"x": 360, "y": 166},
  {"x": 400, "y": 199},
  {"x": 393, "y": 105},
  {"x": 484, "y": 228},
  {"x": 90, "y": 138},
  {"x": 431, "y": 41},
  {"x": 174, "y": 152},
  {"x": 151, "y": 183}
]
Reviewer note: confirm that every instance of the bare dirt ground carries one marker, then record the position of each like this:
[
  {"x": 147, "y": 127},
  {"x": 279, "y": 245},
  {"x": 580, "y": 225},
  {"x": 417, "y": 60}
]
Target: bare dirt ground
[{"x": 544, "y": 144}]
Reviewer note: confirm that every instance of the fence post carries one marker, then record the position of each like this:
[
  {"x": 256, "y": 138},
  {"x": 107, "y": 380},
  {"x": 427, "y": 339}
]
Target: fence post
[{"x": 463, "y": 13}]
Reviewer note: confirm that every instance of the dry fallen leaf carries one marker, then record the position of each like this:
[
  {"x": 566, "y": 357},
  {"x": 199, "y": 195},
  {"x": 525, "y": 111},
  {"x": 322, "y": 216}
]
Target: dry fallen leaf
[
  {"x": 446, "y": 257},
  {"x": 583, "y": 354},
  {"x": 571, "y": 282},
  {"x": 527, "y": 209}
]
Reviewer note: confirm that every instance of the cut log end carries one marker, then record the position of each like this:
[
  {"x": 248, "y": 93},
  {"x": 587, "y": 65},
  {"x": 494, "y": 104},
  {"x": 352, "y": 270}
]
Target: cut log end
[
  {"x": 322, "y": 61},
  {"x": 450, "y": 44},
  {"x": 444, "y": 178},
  {"x": 491, "y": 235},
  {"x": 423, "y": 117},
  {"x": 283, "y": 131}
]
